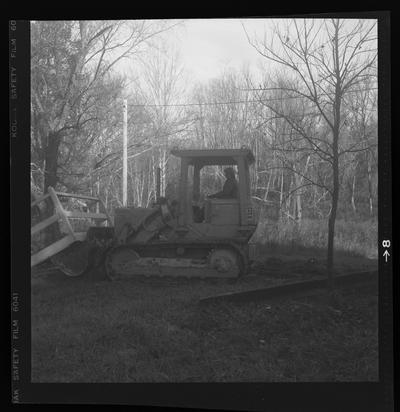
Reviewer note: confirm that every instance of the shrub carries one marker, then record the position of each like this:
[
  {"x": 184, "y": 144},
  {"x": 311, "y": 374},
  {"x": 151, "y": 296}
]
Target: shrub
[{"x": 351, "y": 236}]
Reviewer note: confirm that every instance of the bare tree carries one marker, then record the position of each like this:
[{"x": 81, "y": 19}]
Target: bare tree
[
  {"x": 70, "y": 60},
  {"x": 161, "y": 85},
  {"x": 361, "y": 122},
  {"x": 324, "y": 61}
]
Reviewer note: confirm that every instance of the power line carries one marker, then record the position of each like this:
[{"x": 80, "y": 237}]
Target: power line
[{"x": 239, "y": 101}]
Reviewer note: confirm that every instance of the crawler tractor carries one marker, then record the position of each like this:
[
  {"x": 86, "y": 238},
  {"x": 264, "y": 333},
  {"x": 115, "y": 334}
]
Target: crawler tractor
[{"x": 181, "y": 237}]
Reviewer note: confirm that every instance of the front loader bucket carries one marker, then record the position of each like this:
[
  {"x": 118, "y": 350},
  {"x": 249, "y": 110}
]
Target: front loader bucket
[{"x": 68, "y": 250}]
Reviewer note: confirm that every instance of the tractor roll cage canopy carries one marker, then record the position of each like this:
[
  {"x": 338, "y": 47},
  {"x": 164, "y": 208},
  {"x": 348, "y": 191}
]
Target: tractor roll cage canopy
[
  {"x": 198, "y": 158},
  {"x": 212, "y": 157}
]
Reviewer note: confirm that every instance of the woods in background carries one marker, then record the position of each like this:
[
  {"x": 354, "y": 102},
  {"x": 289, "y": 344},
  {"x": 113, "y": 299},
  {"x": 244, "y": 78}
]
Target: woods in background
[{"x": 311, "y": 122}]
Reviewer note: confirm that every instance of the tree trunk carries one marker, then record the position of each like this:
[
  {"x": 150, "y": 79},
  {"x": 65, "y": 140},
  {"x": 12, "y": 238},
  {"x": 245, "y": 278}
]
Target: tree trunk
[
  {"x": 335, "y": 194},
  {"x": 299, "y": 208},
  {"x": 50, "y": 179},
  {"x": 51, "y": 160},
  {"x": 369, "y": 173},
  {"x": 163, "y": 163},
  {"x": 332, "y": 220},
  {"x": 335, "y": 161},
  {"x": 281, "y": 198},
  {"x": 267, "y": 189},
  {"x": 353, "y": 189}
]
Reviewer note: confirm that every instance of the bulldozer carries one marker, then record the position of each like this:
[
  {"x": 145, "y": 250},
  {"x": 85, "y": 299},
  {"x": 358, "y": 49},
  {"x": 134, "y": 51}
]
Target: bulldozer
[{"x": 184, "y": 237}]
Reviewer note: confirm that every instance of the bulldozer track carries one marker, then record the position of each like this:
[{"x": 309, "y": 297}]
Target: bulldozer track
[
  {"x": 292, "y": 290},
  {"x": 170, "y": 272}
]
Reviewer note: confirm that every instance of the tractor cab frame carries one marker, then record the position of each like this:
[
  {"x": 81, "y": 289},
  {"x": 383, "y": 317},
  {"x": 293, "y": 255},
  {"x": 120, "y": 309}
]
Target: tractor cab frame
[{"x": 229, "y": 218}]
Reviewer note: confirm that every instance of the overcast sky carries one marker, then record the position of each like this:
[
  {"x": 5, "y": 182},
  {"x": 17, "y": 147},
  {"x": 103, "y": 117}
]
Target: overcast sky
[{"x": 208, "y": 46}]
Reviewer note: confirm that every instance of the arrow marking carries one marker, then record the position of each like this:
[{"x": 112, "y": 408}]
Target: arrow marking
[{"x": 386, "y": 254}]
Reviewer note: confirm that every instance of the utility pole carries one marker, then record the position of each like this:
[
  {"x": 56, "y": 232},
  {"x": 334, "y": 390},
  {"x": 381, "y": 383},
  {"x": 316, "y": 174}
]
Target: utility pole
[{"x": 125, "y": 156}]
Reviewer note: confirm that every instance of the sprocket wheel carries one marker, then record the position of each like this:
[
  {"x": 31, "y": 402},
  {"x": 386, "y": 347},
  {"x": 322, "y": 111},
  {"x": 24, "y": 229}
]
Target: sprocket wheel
[{"x": 225, "y": 261}]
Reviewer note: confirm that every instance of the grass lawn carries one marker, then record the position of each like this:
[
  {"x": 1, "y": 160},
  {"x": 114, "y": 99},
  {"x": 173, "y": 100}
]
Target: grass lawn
[{"x": 153, "y": 330}]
